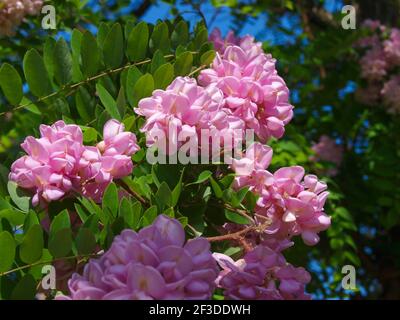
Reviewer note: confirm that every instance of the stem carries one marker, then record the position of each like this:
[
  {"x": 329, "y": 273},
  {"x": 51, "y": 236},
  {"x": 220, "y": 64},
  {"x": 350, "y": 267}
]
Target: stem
[
  {"x": 78, "y": 84},
  {"x": 242, "y": 212},
  {"x": 232, "y": 236},
  {"x": 132, "y": 192},
  {"x": 196, "y": 70},
  {"x": 47, "y": 262}
]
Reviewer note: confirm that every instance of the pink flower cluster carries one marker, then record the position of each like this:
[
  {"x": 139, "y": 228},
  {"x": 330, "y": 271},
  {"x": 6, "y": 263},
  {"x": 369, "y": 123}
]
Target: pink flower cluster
[
  {"x": 58, "y": 164},
  {"x": 328, "y": 150},
  {"x": 379, "y": 66},
  {"x": 241, "y": 91},
  {"x": 186, "y": 107},
  {"x": 252, "y": 88},
  {"x": 262, "y": 274},
  {"x": 292, "y": 202},
  {"x": 391, "y": 94},
  {"x": 155, "y": 263},
  {"x": 13, "y": 12}
]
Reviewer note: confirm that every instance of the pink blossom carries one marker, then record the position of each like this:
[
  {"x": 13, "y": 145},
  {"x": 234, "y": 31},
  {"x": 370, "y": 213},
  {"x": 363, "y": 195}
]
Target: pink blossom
[
  {"x": 328, "y": 150},
  {"x": 262, "y": 274},
  {"x": 391, "y": 95},
  {"x": 154, "y": 263},
  {"x": 247, "y": 43},
  {"x": 51, "y": 167},
  {"x": 253, "y": 90},
  {"x": 297, "y": 206},
  {"x": 373, "y": 64},
  {"x": 392, "y": 47},
  {"x": 13, "y": 12},
  {"x": 292, "y": 205},
  {"x": 58, "y": 164},
  {"x": 187, "y": 108},
  {"x": 373, "y": 25}
]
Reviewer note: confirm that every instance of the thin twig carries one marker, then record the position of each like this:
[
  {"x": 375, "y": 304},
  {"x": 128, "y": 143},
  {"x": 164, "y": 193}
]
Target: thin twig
[
  {"x": 232, "y": 236},
  {"x": 46, "y": 262},
  {"x": 197, "y": 70},
  {"x": 86, "y": 81},
  {"x": 132, "y": 192}
]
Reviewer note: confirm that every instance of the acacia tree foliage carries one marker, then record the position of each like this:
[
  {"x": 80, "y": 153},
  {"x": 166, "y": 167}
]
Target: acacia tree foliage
[{"x": 318, "y": 65}]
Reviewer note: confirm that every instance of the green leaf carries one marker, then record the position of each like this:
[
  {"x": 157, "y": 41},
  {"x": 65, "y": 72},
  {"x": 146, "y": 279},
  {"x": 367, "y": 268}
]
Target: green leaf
[
  {"x": 201, "y": 37},
  {"x": 121, "y": 102},
  {"x": 177, "y": 191},
  {"x": 143, "y": 88},
  {"x": 160, "y": 38},
  {"x": 7, "y": 251},
  {"x": 183, "y": 64},
  {"x": 207, "y": 58},
  {"x": 157, "y": 61},
  {"x": 30, "y": 220},
  {"x": 61, "y": 221},
  {"x": 90, "y": 55},
  {"x": 11, "y": 84},
  {"x": 15, "y": 217},
  {"x": 89, "y": 135},
  {"x": 25, "y": 289},
  {"x": 108, "y": 102},
  {"x": 85, "y": 241},
  {"x": 81, "y": 212},
  {"x": 205, "y": 175},
  {"x": 137, "y": 42},
  {"x": 113, "y": 47},
  {"x": 149, "y": 216},
  {"x": 336, "y": 243},
  {"x": 216, "y": 188},
  {"x": 163, "y": 196},
  {"x": 84, "y": 104},
  {"x": 180, "y": 35},
  {"x": 76, "y": 40},
  {"x": 18, "y": 196},
  {"x": 31, "y": 247},
  {"x": 102, "y": 33},
  {"x": 36, "y": 74},
  {"x": 130, "y": 213},
  {"x": 110, "y": 199},
  {"x": 163, "y": 76},
  {"x": 236, "y": 218},
  {"x": 48, "y": 56},
  {"x": 60, "y": 243},
  {"x": 132, "y": 77},
  {"x": 62, "y": 62}
]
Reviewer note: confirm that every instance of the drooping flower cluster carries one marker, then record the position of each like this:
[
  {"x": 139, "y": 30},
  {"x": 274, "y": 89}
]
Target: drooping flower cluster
[
  {"x": 328, "y": 150},
  {"x": 292, "y": 202},
  {"x": 262, "y": 274},
  {"x": 181, "y": 111},
  {"x": 253, "y": 90},
  {"x": 154, "y": 263},
  {"x": 242, "y": 90},
  {"x": 13, "y": 12},
  {"x": 379, "y": 66},
  {"x": 58, "y": 164}
]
